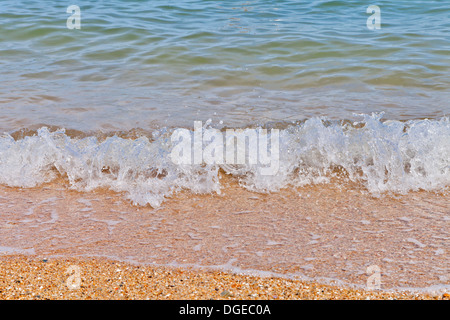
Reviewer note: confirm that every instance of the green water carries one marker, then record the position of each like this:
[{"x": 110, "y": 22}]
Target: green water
[{"x": 145, "y": 64}]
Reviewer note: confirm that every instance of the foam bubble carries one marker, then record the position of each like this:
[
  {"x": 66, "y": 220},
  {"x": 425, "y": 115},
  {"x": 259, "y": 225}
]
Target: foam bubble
[{"x": 382, "y": 156}]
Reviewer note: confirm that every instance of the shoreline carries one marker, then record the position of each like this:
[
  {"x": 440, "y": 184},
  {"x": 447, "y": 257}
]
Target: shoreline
[
  {"x": 321, "y": 234},
  {"x": 32, "y": 278}
]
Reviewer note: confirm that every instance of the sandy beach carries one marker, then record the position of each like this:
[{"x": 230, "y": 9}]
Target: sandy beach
[
  {"x": 27, "y": 278},
  {"x": 266, "y": 246}
]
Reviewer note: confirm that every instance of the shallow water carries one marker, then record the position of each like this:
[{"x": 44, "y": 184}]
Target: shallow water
[
  {"x": 329, "y": 235},
  {"x": 149, "y": 64}
]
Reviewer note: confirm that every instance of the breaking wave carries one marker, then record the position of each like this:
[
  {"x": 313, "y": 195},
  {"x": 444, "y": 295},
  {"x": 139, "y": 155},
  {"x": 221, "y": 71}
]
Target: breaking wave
[{"x": 383, "y": 156}]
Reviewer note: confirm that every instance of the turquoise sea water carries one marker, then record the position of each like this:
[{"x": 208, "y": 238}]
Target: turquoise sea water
[
  {"x": 140, "y": 69},
  {"x": 147, "y": 64}
]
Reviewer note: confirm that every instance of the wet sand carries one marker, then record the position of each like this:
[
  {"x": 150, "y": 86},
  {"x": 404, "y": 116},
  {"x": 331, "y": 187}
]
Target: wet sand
[
  {"x": 325, "y": 235},
  {"x": 30, "y": 278}
]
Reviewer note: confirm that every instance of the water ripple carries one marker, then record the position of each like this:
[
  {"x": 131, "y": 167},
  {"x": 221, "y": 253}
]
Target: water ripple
[{"x": 207, "y": 59}]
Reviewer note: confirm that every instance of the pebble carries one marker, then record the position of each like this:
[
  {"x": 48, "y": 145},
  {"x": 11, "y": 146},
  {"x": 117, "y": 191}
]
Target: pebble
[{"x": 226, "y": 294}]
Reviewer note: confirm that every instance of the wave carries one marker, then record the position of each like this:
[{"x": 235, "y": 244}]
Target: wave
[{"x": 382, "y": 156}]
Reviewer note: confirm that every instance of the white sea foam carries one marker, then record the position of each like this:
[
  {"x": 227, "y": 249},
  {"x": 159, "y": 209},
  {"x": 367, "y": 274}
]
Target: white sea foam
[{"x": 383, "y": 156}]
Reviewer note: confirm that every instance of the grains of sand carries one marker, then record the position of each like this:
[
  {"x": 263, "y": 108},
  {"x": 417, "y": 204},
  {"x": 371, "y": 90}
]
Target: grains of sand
[{"x": 24, "y": 277}]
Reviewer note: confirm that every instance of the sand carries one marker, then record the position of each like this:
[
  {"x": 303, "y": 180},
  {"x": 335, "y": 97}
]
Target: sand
[
  {"x": 27, "y": 277},
  {"x": 314, "y": 242}
]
